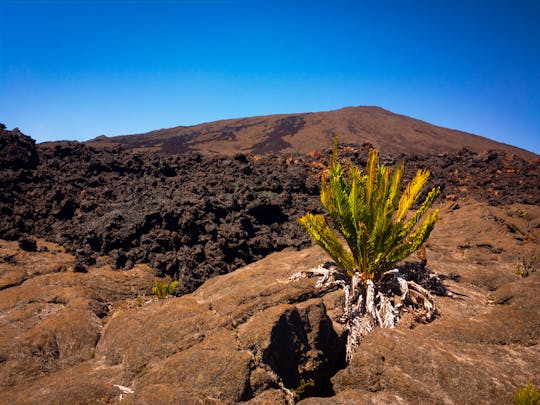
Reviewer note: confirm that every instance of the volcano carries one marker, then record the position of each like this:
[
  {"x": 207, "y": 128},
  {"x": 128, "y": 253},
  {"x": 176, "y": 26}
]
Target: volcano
[{"x": 303, "y": 133}]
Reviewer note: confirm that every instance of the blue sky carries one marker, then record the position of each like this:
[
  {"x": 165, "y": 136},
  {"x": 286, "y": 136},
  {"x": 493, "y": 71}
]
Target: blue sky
[{"x": 76, "y": 69}]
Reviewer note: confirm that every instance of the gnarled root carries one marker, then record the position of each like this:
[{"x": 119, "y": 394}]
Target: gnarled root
[{"x": 371, "y": 305}]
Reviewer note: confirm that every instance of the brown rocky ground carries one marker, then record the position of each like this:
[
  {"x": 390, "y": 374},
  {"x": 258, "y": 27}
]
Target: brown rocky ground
[
  {"x": 303, "y": 133},
  {"x": 85, "y": 230},
  {"x": 192, "y": 216},
  {"x": 238, "y": 335}
]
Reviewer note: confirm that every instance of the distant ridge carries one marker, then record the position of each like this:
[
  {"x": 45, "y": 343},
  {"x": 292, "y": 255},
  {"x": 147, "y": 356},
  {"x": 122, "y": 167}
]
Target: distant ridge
[{"x": 306, "y": 132}]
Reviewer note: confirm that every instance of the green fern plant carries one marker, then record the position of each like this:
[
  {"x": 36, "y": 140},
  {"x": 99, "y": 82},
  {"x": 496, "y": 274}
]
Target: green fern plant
[
  {"x": 371, "y": 212},
  {"x": 162, "y": 289}
]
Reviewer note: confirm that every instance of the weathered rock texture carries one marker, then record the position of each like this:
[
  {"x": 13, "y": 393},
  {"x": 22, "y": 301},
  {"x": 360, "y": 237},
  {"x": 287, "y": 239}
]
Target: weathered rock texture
[
  {"x": 238, "y": 336},
  {"x": 77, "y": 324},
  {"x": 52, "y": 317},
  {"x": 193, "y": 216},
  {"x": 81, "y": 337},
  {"x": 486, "y": 341}
]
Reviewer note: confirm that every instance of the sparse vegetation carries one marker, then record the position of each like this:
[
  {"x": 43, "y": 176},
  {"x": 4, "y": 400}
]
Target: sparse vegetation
[
  {"x": 527, "y": 396},
  {"x": 526, "y": 264},
  {"x": 305, "y": 388},
  {"x": 518, "y": 212},
  {"x": 371, "y": 214},
  {"x": 163, "y": 289}
]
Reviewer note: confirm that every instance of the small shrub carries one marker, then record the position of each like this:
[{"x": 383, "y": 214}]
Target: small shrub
[
  {"x": 371, "y": 212},
  {"x": 162, "y": 289},
  {"x": 526, "y": 264},
  {"x": 527, "y": 396}
]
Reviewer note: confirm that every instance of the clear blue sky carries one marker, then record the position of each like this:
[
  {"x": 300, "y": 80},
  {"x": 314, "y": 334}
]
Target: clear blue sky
[{"x": 76, "y": 69}]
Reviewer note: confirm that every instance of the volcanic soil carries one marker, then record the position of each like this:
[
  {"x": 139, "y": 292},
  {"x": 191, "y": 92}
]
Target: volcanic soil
[
  {"x": 85, "y": 231},
  {"x": 306, "y": 132}
]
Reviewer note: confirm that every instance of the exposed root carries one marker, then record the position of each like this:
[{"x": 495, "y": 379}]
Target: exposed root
[
  {"x": 371, "y": 305},
  {"x": 330, "y": 276},
  {"x": 289, "y": 395}
]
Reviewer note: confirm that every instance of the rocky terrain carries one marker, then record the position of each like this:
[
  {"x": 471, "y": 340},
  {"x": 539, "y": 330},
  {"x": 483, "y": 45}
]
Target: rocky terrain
[
  {"x": 85, "y": 230},
  {"x": 307, "y": 132},
  {"x": 193, "y": 216},
  {"x": 98, "y": 337}
]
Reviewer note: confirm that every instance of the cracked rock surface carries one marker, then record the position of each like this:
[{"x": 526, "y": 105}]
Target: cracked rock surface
[
  {"x": 240, "y": 335},
  {"x": 235, "y": 338}
]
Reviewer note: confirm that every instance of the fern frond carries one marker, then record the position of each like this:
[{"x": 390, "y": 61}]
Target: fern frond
[
  {"x": 397, "y": 179},
  {"x": 411, "y": 194},
  {"x": 413, "y": 241},
  {"x": 370, "y": 212},
  {"x": 371, "y": 170},
  {"x": 434, "y": 193},
  {"x": 322, "y": 235},
  {"x": 335, "y": 198}
]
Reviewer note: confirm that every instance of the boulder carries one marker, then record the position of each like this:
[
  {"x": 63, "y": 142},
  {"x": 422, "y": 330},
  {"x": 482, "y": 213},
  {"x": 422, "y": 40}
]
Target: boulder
[{"x": 17, "y": 151}]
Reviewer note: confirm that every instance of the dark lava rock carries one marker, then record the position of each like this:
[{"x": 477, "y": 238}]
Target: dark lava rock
[
  {"x": 28, "y": 244},
  {"x": 17, "y": 151},
  {"x": 79, "y": 268},
  {"x": 192, "y": 216}
]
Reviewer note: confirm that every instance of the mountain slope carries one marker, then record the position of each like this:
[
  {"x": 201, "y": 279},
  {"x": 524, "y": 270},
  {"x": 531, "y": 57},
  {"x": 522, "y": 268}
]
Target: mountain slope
[{"x": 302, "y": 133}]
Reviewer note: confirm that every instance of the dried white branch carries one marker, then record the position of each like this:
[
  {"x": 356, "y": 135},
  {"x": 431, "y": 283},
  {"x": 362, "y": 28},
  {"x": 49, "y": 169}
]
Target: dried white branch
[
  {"x": 123, "y": 390},
  {"x": 289, "y": 395},
  {"x": 366, "y": 306}
]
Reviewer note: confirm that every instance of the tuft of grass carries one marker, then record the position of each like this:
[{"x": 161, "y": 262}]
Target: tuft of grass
[
  {"x": 163, "y": 289},
  {"x": 304, "y": 389},
  {"x": 527, "y": 396},
  {"x": 526, "y": 264}
]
